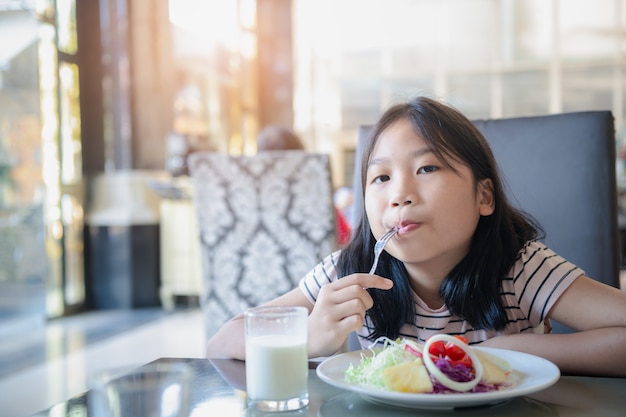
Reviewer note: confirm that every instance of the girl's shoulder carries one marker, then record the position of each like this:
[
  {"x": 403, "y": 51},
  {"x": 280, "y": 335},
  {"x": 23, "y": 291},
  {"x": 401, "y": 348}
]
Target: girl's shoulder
[
  {"x": 538, "y": 263},
  {"x": 532, "y": 245},
  {"x": 535, "y": 251},
  {"x": 538, "y": 277}
]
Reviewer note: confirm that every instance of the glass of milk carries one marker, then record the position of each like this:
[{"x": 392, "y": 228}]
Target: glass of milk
[{"x": 276, "y": 358}]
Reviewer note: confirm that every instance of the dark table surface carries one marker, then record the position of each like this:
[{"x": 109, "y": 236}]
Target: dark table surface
[{"x": 219, "y": 390}]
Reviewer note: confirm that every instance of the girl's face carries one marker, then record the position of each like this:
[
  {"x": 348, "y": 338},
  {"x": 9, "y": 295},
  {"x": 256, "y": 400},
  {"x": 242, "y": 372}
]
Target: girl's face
[{"x": 435, "y": 208}]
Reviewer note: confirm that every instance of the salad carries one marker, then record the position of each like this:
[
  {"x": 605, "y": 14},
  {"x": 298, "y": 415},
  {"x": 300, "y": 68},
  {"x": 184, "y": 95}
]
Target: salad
[{"x": 444, "y": 364}]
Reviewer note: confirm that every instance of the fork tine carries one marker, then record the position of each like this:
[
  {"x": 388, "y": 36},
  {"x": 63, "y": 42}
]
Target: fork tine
[
  {"x": 389, "y": 233},
  {"x": 384, "y": 238},
  {"x": 379, "y": 245}
]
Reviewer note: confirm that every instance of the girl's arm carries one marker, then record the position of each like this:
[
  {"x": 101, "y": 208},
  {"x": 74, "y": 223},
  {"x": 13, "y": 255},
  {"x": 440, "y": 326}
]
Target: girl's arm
[
  {"x": 598, "y": 313},
  {"x": 339, "y": 310},
  {"x": 229, "y": 340}
]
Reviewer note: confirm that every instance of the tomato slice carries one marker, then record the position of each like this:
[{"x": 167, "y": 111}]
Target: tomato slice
[
  {"x": 454, "y": 352},
  {"x": 466, "y": 361},
  {"x": 438, "y": 349}
]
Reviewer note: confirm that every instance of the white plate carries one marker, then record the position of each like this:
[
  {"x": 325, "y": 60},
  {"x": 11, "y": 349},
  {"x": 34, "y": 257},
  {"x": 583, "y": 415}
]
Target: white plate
[{"x": 530, "y": 374}]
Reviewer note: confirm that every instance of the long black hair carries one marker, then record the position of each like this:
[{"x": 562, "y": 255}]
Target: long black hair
[{"x": 472, "y": 289}]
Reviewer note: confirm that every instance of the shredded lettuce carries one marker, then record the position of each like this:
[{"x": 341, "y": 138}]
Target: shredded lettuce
[{"x": 369, "y": 371}]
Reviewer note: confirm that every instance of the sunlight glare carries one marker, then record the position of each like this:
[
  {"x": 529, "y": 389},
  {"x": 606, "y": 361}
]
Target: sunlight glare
[{"x": 214, "y": 21}]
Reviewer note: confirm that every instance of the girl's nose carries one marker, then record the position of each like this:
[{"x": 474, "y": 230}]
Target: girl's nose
[
  {"x": 404, "y": 196},
  {"x": 402, "y": 201}
]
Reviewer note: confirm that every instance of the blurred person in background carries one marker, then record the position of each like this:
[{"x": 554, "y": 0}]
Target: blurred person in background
[
  {"x": 344, "y": 201},
  {"x": 282, "y": 138}
]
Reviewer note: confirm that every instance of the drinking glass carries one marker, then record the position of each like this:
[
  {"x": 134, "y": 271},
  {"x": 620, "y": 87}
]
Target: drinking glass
[
  {"x": 153, "y": 390},
  {"x": 276, "y": 358}
]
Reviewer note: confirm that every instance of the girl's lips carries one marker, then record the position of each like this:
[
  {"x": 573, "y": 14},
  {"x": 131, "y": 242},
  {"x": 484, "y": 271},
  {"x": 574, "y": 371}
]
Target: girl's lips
[{"x": 406, "y": 228}]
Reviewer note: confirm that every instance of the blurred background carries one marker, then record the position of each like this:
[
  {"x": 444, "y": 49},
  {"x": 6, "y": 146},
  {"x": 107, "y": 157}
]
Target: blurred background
[{"x": 100, "y": 97}]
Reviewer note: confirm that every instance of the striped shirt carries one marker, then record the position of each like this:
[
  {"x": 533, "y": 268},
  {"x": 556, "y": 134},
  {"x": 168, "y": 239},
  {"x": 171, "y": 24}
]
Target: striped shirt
[{"x": 529, "y": 290}]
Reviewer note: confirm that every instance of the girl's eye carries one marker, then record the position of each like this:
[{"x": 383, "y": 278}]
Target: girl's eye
[
  {"x": 381, "y": 178},
  {"x": 427, "y": 169}
]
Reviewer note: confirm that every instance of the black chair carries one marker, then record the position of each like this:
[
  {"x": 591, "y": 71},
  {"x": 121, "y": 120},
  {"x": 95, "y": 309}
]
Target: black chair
[{"x": 560, "y": 169}]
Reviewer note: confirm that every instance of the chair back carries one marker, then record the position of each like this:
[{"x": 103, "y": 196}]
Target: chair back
[
  {"x": 264, "y": 220},
  {"x": 561, "y": 170}
]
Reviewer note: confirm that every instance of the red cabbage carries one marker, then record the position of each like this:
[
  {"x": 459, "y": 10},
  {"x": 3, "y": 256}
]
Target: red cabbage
[{"x": 458, "y": 373}]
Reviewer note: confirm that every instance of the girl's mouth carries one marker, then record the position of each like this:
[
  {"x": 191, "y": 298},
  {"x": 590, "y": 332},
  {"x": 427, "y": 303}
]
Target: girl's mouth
[{"x": 406, "y": 227}]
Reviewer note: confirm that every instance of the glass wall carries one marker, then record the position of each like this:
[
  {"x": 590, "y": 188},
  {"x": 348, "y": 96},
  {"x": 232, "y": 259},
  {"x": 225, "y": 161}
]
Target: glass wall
[
  {"x": 23, "y": 265},
  {"x": 490, "y": 58},
  {"x": 353, "y": 58},
  {"x": 61, "y": 142},
  {"x": 216, "y": 62},
  {"x": 41, "y": 193}
]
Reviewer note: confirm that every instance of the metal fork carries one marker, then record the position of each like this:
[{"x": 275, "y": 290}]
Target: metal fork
[{"x": 380, "y": 245}]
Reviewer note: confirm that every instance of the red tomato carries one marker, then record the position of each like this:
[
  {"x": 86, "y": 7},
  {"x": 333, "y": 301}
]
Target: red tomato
[
  {"x": 466, "y": 361},
  {"x": 437, "y": 349},
  {"x": 454, "y": 352}
]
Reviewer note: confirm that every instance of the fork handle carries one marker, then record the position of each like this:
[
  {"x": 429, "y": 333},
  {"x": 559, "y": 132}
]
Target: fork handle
[{"x": 373, "y": 269}]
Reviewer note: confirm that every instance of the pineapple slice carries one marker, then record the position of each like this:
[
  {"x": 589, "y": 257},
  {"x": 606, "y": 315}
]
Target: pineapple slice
[
  {"x": 493, "y": 372},
  {"x": 408, "y": 377}
]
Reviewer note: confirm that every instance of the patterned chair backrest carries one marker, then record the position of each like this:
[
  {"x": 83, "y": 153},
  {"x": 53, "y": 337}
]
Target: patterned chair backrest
[{"x": 264, "y": 220}]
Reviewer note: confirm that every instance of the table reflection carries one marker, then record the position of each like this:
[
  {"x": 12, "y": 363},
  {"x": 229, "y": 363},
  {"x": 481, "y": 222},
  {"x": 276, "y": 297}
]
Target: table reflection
[{"x": 219, "y": 390}]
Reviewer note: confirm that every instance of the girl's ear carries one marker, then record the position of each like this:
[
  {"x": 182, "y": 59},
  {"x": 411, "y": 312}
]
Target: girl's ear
[{"x": 485, "y": 196}]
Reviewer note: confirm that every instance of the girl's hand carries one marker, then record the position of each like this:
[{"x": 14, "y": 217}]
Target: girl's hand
[{"x": 339, "y": 310}]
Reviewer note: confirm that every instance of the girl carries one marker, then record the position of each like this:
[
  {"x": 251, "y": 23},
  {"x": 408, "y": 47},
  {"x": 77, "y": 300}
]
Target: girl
[{"x": 463, "y": 261}]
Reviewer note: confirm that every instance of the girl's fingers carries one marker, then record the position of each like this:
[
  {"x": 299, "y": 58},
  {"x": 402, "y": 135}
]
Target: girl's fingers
[
  {"x": 364, "y": 281},
  {"x": 353, "y": 287},
  {"x": 340, "y": 308},
  {"x": 352, "y": 307}
]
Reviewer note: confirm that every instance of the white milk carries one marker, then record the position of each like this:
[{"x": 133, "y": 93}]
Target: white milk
[{"x": 276, "y": 367}]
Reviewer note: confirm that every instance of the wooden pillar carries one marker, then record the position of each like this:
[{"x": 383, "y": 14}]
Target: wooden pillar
[{"x": 275, "y": 62}]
